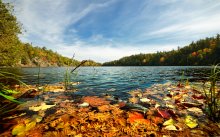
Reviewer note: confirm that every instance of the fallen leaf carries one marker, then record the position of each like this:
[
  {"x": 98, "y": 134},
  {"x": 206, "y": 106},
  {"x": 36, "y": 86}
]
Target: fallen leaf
[
  {"x": 30, "y": 125},
  {"x": 18, "y": 129},
  {"x": 198, "y": 96},
  {"x": 134, "y": 100},
  {"x": 171, "y": 127},
  {"x": 191, "y": 104},
  {"x": 157, "y": 120},
  {"x": 195, "y": 110},
  {"x": 43, "y": 106},
  {"x": 167, "y": 98},
  {"x": 170, "y": 106},
  {"x": 134, "y": 117},
  {"x": 144, "y": 100},
  {"x": 168, "y": 122},
  {"x": 37, "y": 118},
  {"x": 191, "y": 122},
  {"x": 163, "y": 113}
]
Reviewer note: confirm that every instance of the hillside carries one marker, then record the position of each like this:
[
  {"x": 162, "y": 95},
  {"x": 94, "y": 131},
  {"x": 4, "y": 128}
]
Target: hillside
[
  {"x": 203, "y": 52},
  {"x": 15, "y": 53}
]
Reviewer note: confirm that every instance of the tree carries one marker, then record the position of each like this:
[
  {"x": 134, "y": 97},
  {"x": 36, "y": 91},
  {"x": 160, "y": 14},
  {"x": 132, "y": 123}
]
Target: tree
[{"x": 9, "y": 29}]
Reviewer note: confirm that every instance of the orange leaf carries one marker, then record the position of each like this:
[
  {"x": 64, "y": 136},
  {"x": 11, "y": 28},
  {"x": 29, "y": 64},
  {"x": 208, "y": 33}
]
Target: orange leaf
[{"x": 134, "y": 117}]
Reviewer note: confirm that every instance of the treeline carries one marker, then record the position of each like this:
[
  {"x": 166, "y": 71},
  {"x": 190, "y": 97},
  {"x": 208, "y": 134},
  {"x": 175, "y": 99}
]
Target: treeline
[
  {"x": 15, "y": 53},
  {"x": 35, "y": 56},
  {"x": 203, "y": 52}
]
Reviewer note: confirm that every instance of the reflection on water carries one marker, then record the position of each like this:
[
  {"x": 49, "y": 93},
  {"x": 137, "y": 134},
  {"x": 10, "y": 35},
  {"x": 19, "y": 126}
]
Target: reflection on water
[{"x": 114, "y": 80}]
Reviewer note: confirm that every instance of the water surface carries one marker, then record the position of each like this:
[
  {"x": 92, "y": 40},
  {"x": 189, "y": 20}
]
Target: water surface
[{"x": 112, "y": 80}]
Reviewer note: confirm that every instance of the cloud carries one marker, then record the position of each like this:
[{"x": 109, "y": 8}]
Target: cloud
[
  {"x": 103, "y": 53},
  {"x": 47, "y": 20},
  {"x": 105, "y": 30}
]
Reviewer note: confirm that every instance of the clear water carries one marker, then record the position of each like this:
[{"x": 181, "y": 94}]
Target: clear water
[{"x": 112, "y": 80}]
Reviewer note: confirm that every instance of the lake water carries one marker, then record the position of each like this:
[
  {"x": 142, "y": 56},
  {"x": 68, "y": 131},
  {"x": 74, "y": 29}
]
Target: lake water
[{"x": 112, "y": 80}]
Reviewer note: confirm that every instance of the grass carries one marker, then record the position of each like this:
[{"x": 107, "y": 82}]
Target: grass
[
  {"x": 38, "y": 76},
  {"x": 212, "y": 94},
  {"x": 67, "y": 78},
  {"x": 7, "y": 93}
]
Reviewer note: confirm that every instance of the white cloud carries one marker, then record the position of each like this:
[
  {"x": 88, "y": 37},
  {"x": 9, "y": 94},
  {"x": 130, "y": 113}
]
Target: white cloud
[
  {"x": 169, "y": 22},
  {"x": 48, "y": 19},
  {"x": 102, "y": 53}
]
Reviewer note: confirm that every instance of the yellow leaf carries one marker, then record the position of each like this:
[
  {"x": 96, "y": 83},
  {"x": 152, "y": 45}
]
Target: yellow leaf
[
  {"x": 170, "y": 127},
  {"x": 37, "y": 118},
  {"x": 191, "y": 122},
  {"x": 18, "y": 130},
  {"x": 30, "y": 125},
  {"x": 168, "y": 122},
  {"x": 27, "y": 121},
  {"x": 43, "y": 106}
]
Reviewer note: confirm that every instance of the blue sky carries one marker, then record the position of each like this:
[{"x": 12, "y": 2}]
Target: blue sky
[{"x": 105, "y": 30}]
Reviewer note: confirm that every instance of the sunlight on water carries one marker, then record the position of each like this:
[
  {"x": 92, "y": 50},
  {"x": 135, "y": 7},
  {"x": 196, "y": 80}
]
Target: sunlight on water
[{"x": 112, "y": 80}]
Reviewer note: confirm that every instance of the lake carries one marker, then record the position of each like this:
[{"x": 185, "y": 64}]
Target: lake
[{"x": 112, "y": 80}]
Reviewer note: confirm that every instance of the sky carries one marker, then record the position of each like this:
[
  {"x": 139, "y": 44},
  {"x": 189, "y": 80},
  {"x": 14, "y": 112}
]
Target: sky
[{"x": 106, "y": 30}]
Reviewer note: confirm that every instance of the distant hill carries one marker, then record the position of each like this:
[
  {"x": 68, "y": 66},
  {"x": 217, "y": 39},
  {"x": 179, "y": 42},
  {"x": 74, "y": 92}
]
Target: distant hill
[
  {"x": 15, "y": 53},
  {"x": 34, "y": 56},
  {"x": 203, "y": 52}
]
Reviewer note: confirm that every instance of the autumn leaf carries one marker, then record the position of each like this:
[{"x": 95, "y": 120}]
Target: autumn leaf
[{"x": 191, "y": 122}]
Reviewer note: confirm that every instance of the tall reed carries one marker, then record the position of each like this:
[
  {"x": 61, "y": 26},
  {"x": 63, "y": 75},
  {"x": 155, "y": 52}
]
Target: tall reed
[{"x": 212, "y": 94}]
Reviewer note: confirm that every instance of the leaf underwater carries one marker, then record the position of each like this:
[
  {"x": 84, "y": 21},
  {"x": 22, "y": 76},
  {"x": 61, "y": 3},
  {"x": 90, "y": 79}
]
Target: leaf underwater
[
  {"x": 18, "y": 130},
  {"x": 30, "y": 125},
  {"x": 170, "y": 127},
  {"x": 163, "y": 113},
  {"x": 191, "y": 122},
  {"x": 168, "y": 122},
  {"x": 43, "y": 106}
]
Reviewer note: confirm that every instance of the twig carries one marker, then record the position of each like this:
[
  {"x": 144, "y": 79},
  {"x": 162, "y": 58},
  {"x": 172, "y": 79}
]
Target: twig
[{"x": 84, "y": 61}]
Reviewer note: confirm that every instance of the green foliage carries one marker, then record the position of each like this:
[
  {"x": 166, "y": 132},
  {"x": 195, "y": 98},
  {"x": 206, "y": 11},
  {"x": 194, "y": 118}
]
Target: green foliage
[
  {"x": 11, "y": 98},
  {"x": 203, "y": 52},
  {"x": 213, "y": 95},
  {"x": 9, "y": 29},
  {"x": 91, "y": 63},
  {"x": 7, "y": 93}
]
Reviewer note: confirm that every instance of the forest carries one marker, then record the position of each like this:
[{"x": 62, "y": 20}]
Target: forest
[
  {"x": 15, "y": 53},
  {"x": 202, "y": 52}
]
